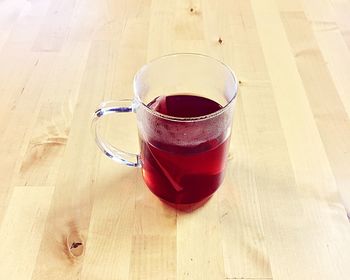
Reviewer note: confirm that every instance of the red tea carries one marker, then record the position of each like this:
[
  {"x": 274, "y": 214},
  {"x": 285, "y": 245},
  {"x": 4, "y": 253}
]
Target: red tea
[{"x": 184, "y": 162}]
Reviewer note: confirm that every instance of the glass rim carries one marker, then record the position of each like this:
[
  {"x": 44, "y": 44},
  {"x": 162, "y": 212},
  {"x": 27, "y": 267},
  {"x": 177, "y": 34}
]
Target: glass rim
[{"x": 187, "y": 119}]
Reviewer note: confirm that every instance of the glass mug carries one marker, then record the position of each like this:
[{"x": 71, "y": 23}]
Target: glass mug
[{"x": 184, "y": 107}]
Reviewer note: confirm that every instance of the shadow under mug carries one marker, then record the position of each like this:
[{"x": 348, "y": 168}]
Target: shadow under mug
[{"x": 182, "y": 158}]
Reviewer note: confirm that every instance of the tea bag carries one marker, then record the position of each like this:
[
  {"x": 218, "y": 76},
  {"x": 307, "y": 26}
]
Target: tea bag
[
  {"x": 159, "y": 105},
  {"x": 170, "y": 175}
]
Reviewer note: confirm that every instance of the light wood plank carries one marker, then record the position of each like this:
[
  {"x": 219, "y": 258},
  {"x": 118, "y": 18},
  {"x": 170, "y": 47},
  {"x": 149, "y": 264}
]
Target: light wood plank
[
  {"x": 281, "y": 209},
  {"x": 10, "y": 11},
  {"x": 341, "y": 11},
  {"x": 198, "y": 260},
  {"x": 22, "y": 230},
  {"x": 45, "y": 142},
  {"x": 110, "y": 234},
  {"x": 188, "y": 23},
  {"x": 337, "y": 57},
  {"x": 72, "y": 200},
  {"x": 53, "y": 34},
  {"x": 332, "y": 45},
  {"x": 154, "y": 257},
  {"x": 161, "y": 28}
]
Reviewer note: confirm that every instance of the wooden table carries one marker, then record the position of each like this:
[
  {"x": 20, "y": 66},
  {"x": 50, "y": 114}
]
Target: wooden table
[{"x": 67, "y": 212}]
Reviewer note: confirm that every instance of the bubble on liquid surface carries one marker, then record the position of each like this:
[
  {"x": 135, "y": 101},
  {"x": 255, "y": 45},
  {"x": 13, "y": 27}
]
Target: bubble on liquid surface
[{"x": 181, "y": 133}]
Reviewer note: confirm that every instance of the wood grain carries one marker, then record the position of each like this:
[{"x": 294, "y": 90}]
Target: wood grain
[{"x": 67, "y": 212}]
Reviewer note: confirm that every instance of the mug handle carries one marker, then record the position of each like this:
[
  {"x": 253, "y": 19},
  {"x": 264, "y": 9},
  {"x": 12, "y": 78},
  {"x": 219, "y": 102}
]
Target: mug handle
[{"x": 106, "y": 108}]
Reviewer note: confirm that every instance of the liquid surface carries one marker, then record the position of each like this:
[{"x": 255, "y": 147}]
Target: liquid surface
[
  {"x": 184, "y": 173},
  {"x": 184, "y": 106}
]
